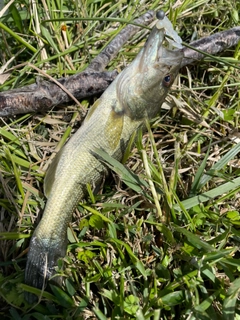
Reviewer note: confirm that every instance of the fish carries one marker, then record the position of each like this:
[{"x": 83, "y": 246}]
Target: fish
[{"x": 135, "y": 95}]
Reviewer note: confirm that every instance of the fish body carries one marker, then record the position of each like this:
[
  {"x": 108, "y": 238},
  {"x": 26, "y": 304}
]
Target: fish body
[{"x": 136, "y": 94}]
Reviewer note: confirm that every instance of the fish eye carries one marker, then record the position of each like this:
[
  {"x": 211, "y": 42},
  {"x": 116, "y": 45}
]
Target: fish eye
[{"x": 167, "y": 80}]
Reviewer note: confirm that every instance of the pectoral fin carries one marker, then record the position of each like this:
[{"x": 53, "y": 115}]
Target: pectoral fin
[{"x": 113, "y": 129}]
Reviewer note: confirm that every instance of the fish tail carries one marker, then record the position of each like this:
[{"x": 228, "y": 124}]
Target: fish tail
[{"x": 41, "y": 262}]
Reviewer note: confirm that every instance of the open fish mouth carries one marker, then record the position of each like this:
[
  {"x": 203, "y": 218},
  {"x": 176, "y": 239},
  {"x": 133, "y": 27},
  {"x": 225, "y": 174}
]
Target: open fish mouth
[
  {"x": 174, "y": 40},
  {"x": 162, "y": 40}
]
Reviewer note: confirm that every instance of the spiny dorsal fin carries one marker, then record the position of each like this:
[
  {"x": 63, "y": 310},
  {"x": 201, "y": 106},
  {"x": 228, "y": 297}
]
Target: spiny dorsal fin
[{"x": 92, "y": 109}]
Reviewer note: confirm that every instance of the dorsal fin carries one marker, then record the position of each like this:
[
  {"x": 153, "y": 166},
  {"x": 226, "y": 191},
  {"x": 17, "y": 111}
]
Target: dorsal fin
[
  {"x": 51, "y": 174},
  {"x": 92, "y": 109}
]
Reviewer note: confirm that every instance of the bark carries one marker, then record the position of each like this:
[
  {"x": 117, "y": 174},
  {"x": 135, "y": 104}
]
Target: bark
[{"x": 44, "y": 95}]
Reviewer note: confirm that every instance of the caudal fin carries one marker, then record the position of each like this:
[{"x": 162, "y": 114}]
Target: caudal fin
[{"x": 41, "y": 262}]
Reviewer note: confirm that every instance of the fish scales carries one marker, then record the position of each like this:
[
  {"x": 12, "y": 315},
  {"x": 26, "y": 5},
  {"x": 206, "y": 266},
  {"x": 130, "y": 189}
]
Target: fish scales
[{"x": 136, "y": 94}]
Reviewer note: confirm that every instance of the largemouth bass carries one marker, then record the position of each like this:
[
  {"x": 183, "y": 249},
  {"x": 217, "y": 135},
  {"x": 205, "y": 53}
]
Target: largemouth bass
[{"x": 136, "y": 94}]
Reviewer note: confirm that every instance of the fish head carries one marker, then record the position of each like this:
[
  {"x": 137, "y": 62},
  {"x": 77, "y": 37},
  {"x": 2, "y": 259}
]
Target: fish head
[{"x": 143, "y": 86}]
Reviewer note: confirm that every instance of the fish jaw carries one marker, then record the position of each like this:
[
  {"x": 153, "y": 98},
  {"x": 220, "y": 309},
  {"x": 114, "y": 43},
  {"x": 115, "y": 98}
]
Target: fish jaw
[{"x": 144, "y": 85}]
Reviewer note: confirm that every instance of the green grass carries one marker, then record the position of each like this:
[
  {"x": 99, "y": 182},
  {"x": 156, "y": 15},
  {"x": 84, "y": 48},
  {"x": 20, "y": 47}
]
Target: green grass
[{"x": 128, "y": 257}]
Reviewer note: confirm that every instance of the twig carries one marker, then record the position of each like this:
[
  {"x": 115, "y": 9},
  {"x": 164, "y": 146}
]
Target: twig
[{"x": 44, "y": 95}]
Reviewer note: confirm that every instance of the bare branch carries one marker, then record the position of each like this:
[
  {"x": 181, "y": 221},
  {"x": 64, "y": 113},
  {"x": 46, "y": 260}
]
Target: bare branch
[{"x": 44, "y": 95}]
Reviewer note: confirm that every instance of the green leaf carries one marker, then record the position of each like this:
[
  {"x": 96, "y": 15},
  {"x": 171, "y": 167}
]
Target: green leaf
[
  {"x": 83, "y": 223},
  {"x": 96, "y": 222},
  {"x": 209, "y": 195},
  {"x": 16, "y": 172},
  {"x": 13, "y": 235},
  {"x": 90, "y": 193},
  {"x": 37, "y": 292},
  {"x": 70, "y": 288},
  {"x": 235, "y": 15},
  {"x": 99, "y": 314},
  {"x": 234, "y": 287},
  {"x": 15, "y": 315},
  {"x": 232, "y": 262},
  {"x": 209, "y": 273},
  {"x": 229, "y": 303},
  {"x": 40, "y": 316},
  {"x": 110, "y": 294},
  {"x": 70, "y": 235},
  {"x": 129, "y": 178},
  {"x": 220, "y": 164},
  {"x": 62, "y": 297},
  {"x": 8, "y": 135},
  {"x": 196, "y": 186},
  {"x": 218, "y": 255},
  {"x": 131, "y": 304},
  {"x": 233, "y": 215},
  {"x": 207, "y": 303},
  {"x": 87, "y": 244},
  {"x": 173, "y": 298},
  {"x": 228, "y": 114},
  {"x": 17, "y": 37},
  {"x": 162, "y": 272},
  {"x": 90, "y": 209},
  {"x": 86, "y": 256},
  {"x": 11, "y": 291},
  {"x": 194, "y": 239},
  {"x": 138, "y": 264},
  {"x": 47, "y": 35},
  {"x": 16, "y": 17}
]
